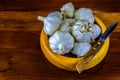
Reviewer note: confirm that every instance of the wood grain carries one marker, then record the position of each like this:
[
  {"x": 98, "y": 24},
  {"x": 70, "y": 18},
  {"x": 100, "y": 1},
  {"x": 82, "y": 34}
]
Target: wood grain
[
  {"x": 27, "y": 21},
  {"x": 52, "y": 5},
  {"x": 21, "y": 57}
]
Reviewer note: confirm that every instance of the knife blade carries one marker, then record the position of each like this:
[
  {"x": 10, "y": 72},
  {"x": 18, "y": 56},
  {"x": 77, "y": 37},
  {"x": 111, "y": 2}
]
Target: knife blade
[{"x": 89, "y": 56}]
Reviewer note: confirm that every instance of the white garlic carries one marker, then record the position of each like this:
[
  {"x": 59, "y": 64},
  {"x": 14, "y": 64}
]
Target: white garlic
[
  {"x": 67, "y": 24},
  {"x": 51, "y": 22},
  {"x": 61, "y": 42},
  {"x": 81, "y": 32},
  {"x": 80, "y": 49},
  {"x": 96, "y": 30},
  {"x": 67, "y": 10},
  {"x": 84, "y": 14}
]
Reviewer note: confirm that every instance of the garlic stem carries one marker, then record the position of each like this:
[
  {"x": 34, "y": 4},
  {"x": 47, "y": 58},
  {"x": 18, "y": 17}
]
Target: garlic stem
[
  {"x": 69, "y": 23},
  {"x": 41, "y": 18},
  {"x": 63, "y": 12}
]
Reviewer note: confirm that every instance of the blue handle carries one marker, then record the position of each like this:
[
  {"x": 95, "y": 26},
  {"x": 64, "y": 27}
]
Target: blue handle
[{"x": 108, "y": 31}]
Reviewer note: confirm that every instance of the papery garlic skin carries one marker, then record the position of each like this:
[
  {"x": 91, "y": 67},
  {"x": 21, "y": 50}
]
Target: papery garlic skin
[
  {"x": 61, "y": 42},
  {"x": 67, "y": 24},
  {"x": 81, "y": 32},
  {"x": 80, "y": 49},
  {"x": 84, "y": 14},
  {"x": 67, "y": 10},
  {"x": 96, "y": 30},
  {"x": 51, "y": 22}
]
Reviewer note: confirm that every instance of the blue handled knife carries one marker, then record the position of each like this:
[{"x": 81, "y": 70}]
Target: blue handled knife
[{"x": 89, "y": 56}]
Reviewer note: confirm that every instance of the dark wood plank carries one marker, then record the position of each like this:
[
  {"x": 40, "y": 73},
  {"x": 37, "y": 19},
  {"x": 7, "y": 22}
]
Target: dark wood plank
[{"x": 45, "y": 5}]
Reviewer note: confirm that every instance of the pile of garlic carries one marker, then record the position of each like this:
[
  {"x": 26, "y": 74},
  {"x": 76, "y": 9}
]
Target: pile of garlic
[{"x": 71, "y": 30}]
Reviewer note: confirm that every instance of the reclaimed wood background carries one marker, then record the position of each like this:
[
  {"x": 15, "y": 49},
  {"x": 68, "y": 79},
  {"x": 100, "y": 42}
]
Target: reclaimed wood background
[{"x": 21, "y": 57}]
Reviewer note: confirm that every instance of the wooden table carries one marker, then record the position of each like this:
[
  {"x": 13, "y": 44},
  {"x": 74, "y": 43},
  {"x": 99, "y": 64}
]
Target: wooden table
[{"x": 21, "y": 57}]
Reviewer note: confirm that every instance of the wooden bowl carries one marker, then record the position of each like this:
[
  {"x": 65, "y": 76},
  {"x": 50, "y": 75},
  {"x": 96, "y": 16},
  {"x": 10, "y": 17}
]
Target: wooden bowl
[{"x": 69, "y": 63}]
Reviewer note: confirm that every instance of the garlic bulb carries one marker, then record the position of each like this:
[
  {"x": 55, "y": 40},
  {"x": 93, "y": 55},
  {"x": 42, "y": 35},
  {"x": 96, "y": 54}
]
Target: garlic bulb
[
  {"x": 80, "y": 49},
  {"x": 82, "y": 32},
  {"x": 84, "y": 14},
  {"x": 61, "y": 42},
  {"x": 67, "y": 10},
  {"x": 51, "y": 22},
  {"x": 56, "y": 13},
  {"x": 67, "y": 24},
  {"x": 96, "y": 30}
]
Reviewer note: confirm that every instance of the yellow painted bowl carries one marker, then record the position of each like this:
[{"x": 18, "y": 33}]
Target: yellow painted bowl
[{"x": 69, "y": 63}]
